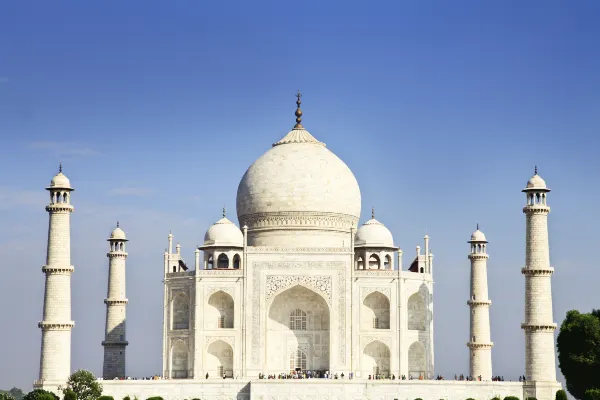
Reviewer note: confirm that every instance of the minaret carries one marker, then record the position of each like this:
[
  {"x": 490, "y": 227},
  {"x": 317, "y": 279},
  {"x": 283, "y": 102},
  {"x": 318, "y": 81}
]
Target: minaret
[
  {"x": 116, "y": 303},
  {"x": 55, "y": 359},
  {"x": 539, "y": 325},
  {"x": 480, "y": 345}
]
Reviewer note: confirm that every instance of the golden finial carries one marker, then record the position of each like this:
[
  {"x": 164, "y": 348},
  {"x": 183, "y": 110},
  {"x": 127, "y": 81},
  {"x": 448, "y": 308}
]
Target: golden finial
[{"x": 298, "y": 112}]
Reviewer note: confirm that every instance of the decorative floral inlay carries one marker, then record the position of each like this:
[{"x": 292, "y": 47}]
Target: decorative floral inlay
[{"x": 279, "y": 283}]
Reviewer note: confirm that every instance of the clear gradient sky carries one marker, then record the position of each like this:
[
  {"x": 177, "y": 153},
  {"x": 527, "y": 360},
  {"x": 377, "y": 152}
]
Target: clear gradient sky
[{"x": 156, "y": 109}]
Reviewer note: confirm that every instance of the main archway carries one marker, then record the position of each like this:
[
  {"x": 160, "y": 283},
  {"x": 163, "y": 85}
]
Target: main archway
[{"x": 298, "y": 332}]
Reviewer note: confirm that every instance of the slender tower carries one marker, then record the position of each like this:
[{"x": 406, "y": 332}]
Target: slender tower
[
  {"x": 55, "y": 358},
  {"x": 480, "y": 345},
  {"x": 116, "y": 303},
  {"x": 539, "y": 325}
]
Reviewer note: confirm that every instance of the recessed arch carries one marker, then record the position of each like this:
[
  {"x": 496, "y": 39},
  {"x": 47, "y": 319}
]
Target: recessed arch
[
  {"x": 387, "y": 264},
  {"x": 219, "y": 359},
  {"x": 360, "y": 263},
  {"x": 375, "y": 311},
  {"x": 236, "y": 261},
  {"x": 298, "y": 319},
  {"x": 416, "y": 312},
  {"x": 374, "y": 261},
  {"x": 179, "y": 361},
  {"x": 223, "y": 261},
  {"x": 220, "y": 313},
  {"x": 180, "y": 312},
  {"x": 416, "y": 360},
  {"x": 376, "y": 358}
]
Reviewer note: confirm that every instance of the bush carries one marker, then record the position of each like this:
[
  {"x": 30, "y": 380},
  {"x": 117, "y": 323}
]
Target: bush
[
  {"x": 40, "y": 394},
  {"x": 154, "y": 398},
  {"x": 498, "y": 398},
  {"x": 592, "y": 394},
  {"x": 561, "y": 395},
  {"x": 470, "y": 398},
  {"x": 511, "y": 398},
  {"x": 6, "y": 396},
  {"x": 530, "y": 398},
  {"x": 106, "y": 398},
  {"x": 70, "y": 395},
  {"x": 126, "y": 398},
  {"x": 418, "y": 398}
]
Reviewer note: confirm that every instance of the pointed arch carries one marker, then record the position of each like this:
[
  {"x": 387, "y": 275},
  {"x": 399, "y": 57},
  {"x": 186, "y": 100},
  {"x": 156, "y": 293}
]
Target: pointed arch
[
  {"x": 219, "y": 359},
  {"x": 180, "y": 361},
  {"x": 236, "y": 261},
  {"x": 416, "y": 312},
  {"x": 375, "y": 311},
  {"x": 180, "y": 311},
  {"x": 223, "y": 261},
  {"x": 360, "y": 263},
  {"x": 374, "y": 261},
  {"x": 387, "y": 264},
  {"x": 221, "y": 311},
  {"x": 416, "y": 360},
  {"x": 376, "y": 358}
]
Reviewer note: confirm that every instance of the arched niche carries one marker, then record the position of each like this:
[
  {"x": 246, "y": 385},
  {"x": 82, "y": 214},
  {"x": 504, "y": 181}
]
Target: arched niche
[
  {"x": 180, "y": 312},
  {"x": 374, "y": 261},
  {"x": 417, "y": 312},
  {"x": 416, "y": 360},
  {"x": 220, "y": 313},
  {"x": 236, "y": 261},
  {"x": 376, "y": 358},
  {"x": 179, "y": 361},
  {"x": 223, "y": 261},
  {"x": 219, "y": 359},
  {"x": 375, "y": 312},
  {"x": 298, "y": 319}
]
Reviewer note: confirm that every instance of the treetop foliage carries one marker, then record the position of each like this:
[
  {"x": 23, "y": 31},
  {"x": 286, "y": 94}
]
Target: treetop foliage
[
  {"x": 84, "y": 384},
  {"x": 40, "y": 394},
  {"x": 579, "y": 352}
]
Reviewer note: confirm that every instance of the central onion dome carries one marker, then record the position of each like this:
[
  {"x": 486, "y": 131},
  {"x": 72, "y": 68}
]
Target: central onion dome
[{"x": 302, "y": 188}]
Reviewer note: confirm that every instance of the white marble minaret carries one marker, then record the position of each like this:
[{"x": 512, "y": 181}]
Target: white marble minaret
[
  {"x": 55, "y": 358},
  {"x": 539, "y": 325},
  {"x": 479, "y": 344},
  {"x": 116, "y": 303}
]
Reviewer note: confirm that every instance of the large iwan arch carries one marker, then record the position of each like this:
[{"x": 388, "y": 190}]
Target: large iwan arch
[{"x": 298, "y": 325}]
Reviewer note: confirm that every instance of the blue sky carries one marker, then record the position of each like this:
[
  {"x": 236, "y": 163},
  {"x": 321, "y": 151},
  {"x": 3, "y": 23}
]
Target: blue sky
[{"x": 156, "y": 109}]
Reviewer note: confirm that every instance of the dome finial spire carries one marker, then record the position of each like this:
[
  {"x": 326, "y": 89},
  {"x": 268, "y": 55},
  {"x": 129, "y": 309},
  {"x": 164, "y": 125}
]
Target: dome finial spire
[
  {"x": 117, "y": 224},
  {"x": 224, "y": 212},
  {"x": 478, "y": 226},
  {"x": 60, "y": 167},
  {"x": 535, "y": 170},
  {"x": 372, "y": 212},
  {"x": 298, "y": 112}
]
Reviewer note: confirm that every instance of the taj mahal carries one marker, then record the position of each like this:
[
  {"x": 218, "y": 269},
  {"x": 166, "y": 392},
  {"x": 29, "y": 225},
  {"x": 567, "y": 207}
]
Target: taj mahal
[{"x": 301, "y": 287}]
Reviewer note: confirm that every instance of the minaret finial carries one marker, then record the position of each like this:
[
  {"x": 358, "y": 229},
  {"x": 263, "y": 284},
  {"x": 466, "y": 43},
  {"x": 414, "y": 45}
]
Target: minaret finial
[
  {"x": 372, "y": 212},
  {"x": 60, "y": 168},
  {"x": 535, "y": 171},
  {"x": 224, "y": 212},
  {"x": 478, "y": 226},
  {"x": 298, "y": 112},
  {"x": 117, "y": 224}
]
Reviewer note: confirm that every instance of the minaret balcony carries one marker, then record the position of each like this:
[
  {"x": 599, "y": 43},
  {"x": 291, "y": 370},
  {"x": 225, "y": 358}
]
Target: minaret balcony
[
  {"x": 536, "y": 209},
  {"x": 539, "y": 327},
  {"x": 478, "y": 256},
  {"x": 537, "y": 271},
  {"x": 58, "y": 269},
  {"x": 115, "y": 343},
  {"x": 60, "y": 207},
  {"x": 111, "y": 302},
  {"x": 56, "y": 326},
  {"x": 117, "y": 254},
  {"x": 476, "y": 345},
  {"x": 475, "y": 303}
]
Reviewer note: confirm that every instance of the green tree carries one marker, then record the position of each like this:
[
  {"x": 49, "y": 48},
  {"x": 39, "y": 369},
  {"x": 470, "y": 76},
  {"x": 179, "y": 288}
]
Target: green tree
[
  {"x": 579, "y": 352},
  {"x": 511, "y": 398},
  {"x": 561, "y": 395},
  {"x": 592, "y": 394},
  {"x": 69, "y": 395},
  {"x": 16, "y": 393},
  {"x": 5, "y": 396},
  {"x": 106, "y": 398},
  {"x": 40, "y": 394},
  {"x": 84, "y": 384}
]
